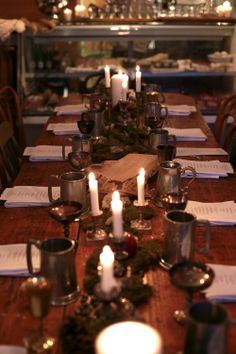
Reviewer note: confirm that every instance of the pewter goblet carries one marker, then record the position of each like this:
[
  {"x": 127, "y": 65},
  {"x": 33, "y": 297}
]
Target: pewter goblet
[
  {"x": 38, "y": 290},
  {"x": 190, "y": 276}
]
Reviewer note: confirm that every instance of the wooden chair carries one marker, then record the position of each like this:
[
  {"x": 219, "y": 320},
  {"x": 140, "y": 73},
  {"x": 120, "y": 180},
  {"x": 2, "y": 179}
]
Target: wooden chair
[
  {"x": 230, "y": 143},
  {"x": 10, "y": 154},
  {"x": 10, "y": 110},
  {"x": 226, "y": 112}
]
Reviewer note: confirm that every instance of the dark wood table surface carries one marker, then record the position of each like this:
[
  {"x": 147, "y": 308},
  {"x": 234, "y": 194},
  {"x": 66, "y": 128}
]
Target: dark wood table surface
[{"x": 20, "y": 224}]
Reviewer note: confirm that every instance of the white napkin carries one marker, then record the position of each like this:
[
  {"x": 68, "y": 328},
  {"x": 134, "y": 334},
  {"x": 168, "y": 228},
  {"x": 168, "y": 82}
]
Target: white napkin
[
  {"x": 188, "y": 134},
  {"x": 26, "y": 196},
  {"x": 223, "y": 213},
  {"x": 46, "y": 152},
  {"x": 71, "y": 109},
  {"x": 186, "y": 151},
  {"x": 207, "y": 169},
  {"x": 64, "y": 128},
  {"x": 180, "y": 110},
  {"x": 223, "y": 288},
  {"x": 13, "y": 259}
]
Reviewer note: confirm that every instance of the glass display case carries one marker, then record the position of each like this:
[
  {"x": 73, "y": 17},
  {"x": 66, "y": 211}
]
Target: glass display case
[{"x": 193, "y": 58}]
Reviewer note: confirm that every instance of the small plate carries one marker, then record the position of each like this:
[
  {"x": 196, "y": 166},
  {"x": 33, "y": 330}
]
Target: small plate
[{"x": 12, "y": 349}]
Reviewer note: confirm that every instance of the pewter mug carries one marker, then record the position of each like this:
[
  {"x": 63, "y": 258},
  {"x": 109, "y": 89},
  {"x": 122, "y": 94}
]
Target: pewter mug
[
  {"x": 169, "y": 178},
  {"x": 155, "y": 114},
  {"x": 79, "y": 143},
  {"x": 57, "y": 264},
  {"x": 160, "y": 137},
  {"x": 98, "y": 117},
  {"x": 180, "y": 237},
  {"x": 72, "y": 188},
  {"x": 207, "y": 328}
]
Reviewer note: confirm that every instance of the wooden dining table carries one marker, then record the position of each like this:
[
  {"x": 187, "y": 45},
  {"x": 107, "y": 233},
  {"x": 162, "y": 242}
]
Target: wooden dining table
[{"x": 21, "y": 224}]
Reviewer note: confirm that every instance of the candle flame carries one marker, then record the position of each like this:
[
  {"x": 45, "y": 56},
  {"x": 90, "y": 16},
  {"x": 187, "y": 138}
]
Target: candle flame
[
  {"x": 119, "y": 72},
  {"x": 137, "y": 68}
]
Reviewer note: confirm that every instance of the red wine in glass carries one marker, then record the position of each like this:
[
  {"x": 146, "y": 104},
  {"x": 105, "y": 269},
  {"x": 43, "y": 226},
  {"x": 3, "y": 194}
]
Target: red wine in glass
[{"x": 86, "y": 124}]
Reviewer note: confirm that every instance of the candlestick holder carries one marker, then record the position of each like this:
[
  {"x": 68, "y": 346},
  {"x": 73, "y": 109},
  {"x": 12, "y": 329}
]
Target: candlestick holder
[
  {"x": 112, "y": 304},
  {"x": 97, "y": 233},
  {"x": 141, "y": 224},
  {"x": 108, "y": 104},
  {"x": 138, "y": 105},
  {"x": 123, "y": 106},
  {"x": 120, "y": 244}
]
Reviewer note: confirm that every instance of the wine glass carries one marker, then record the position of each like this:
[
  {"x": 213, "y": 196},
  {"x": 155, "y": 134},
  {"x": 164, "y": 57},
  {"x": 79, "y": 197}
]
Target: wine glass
[
  {"x": 38, "y": 290},
  {"x": 190, "y": 276},
  {"x": 141, "y": 224},
  {"x": 65, "y": 212},
  {"x": 174, "y": 200},
  {"x": 86, "y": 123}
]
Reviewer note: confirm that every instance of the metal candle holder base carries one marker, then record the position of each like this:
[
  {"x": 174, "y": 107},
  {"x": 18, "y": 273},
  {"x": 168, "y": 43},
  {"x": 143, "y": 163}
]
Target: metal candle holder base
[
  {"x": 120, "y": 246},
  {"x": 112, "y": 304}
]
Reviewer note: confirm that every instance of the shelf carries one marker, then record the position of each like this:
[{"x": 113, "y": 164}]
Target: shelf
[
  {"x": 161, "y": 30},
  {"x": 145, "y": 74}
]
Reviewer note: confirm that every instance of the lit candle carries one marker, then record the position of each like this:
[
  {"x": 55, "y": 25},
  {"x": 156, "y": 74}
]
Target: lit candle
[
  {"x": 80, "y": 11},
  {"x": 107, "y": 76},
  {"x": 93, "y": 188},
  {"x": 128, "y": 337},
  {"x": 138, "y": 79},
  {"x": 67, "y": 14},
  {"x": 116, "y": 86},
  {"x": 107, "y": 280},
  {"x": 117, "y": 219},
  {"x": 141, "y": 185},
  {"x": 124, "y": 90},
  {"x": 225, "y": 9}
]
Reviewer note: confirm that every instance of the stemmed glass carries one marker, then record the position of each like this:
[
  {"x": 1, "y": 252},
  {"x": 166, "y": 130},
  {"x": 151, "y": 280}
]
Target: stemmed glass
[
  {"x": 123, "y": 105},
  {"x": 65, "y": 212},
  {"x": 86, "y": 124},
  {"x": 38, "y": 290},
  {"x": 141, "y": 224},
  {"x": 190, "y": 276}
]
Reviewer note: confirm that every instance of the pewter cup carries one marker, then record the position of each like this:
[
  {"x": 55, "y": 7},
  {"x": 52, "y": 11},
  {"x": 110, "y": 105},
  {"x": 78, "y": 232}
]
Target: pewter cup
[
  {"x": 72, "y": 188},
  {"x": 169, "y": 178},
  {"x": 207, "y": 328},
  {"x": 79, "y": 143},
  {"x": 180, "y": 237},
  {"x": 98, "y": 117},
  {"x": 160, "y": 137},
  {"x": 57, "y": 264},
  {"x": 155, "y": 114}
]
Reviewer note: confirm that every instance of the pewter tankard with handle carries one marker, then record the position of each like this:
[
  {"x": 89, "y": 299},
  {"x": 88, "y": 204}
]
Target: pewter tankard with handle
[
  {"x": 207, "y": 329},
  {"x": 72, "y": 188},
  {"x": 169, "y": 178},
  {"x": 180, "y": 237},
  {"x": 57, "y": 264}
]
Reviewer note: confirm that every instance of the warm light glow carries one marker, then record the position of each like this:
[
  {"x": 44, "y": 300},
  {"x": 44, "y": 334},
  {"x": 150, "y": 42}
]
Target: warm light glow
[{"x": 128, "y": 337}]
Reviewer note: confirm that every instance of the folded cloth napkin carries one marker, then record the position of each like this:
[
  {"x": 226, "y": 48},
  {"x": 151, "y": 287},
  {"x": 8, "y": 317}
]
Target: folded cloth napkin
[
  {"x": 188, "y": 134},
  {"x": 223, "y": 213},
  {"x": 64, "y": 128},
  {"x": 180, "y": 110},
  {"x": 26, "y": 196},
  {"x": 46, "y": 152},
  {"x": 71, "y": 109},
  {"x": 207, "y": 169},
  {"x": 186, "y": 151},
  {"x": 13, "y": 259},
  {"x": 223, "y": 288}
]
